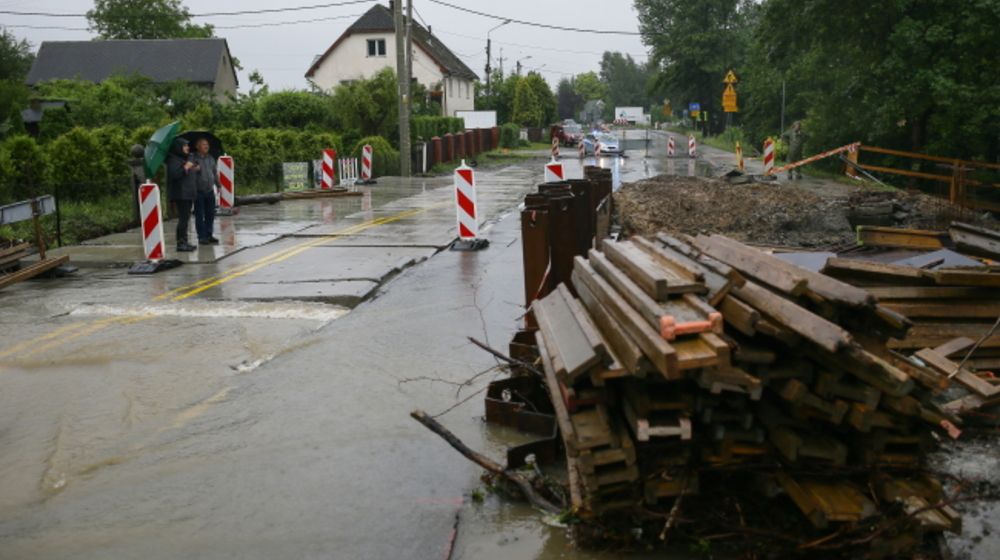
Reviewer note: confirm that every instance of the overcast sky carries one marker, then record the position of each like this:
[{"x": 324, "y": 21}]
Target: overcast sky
[{"x": 284, "y": 52}]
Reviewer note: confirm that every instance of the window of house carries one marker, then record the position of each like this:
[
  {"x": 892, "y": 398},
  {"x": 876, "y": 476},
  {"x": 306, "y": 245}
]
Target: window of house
[{"x": 376, "y": 47}]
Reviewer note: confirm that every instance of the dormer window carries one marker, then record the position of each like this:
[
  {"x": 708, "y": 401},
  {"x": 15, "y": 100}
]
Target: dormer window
[{"x": 376, "y": 47}]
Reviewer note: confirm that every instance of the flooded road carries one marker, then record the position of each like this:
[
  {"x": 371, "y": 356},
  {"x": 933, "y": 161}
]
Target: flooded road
[{"x": 254, "y": 402}]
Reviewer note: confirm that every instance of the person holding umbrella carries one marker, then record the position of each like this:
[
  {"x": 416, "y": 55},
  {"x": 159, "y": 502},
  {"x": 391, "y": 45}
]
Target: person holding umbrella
[
  {"x": 181, "y": 189},
  {"x": 207, "y": 180}
]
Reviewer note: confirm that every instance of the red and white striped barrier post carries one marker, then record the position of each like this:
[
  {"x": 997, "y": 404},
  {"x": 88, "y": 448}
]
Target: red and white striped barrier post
[
  {"x": 691, "y": 146},
  {"x": 329, "y": 156},
  {"x": 465, "y": 198},
  {"x": 554, "y": 171},
  {"x": 555, "y": 147},
  {"x": 597, "y": 148},
  {"x": 580, "y": 148},
  {"x": 366, "y": 162},
  {"x": 227, "y": 197},
  {"x": 152, "y": 223},
  {"x": 768, "y": 156},
  {"x": 816, "y": 158},
  {"x": 670, "y": 147},
  {"x": 739, "y": 156}
]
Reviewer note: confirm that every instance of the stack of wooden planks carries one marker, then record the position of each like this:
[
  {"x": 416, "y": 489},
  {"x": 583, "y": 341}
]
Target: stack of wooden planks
[{"x": 678, "y": 355}]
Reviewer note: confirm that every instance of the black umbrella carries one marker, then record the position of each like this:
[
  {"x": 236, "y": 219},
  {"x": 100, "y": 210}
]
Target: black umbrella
[{"x": 214, "y": 144}]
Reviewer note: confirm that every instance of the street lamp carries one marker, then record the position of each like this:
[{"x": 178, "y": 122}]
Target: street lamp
[
  {"x": 488, "y": 69},
  {"x": 519, "y": 64}
]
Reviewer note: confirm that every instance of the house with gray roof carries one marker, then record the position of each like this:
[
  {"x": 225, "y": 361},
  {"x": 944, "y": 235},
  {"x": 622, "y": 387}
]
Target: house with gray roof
[
  {"x": 203, "y": 62},
  {"x": 369, "y": 45}
]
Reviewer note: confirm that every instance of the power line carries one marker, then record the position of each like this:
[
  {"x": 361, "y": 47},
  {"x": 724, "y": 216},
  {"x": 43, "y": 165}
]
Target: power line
[
  {"x": 215, "y": 14},
  {"x": 246, "y": 26},
  {"x": 549, "y": 49},
  {"x": 533, "y": 24}
]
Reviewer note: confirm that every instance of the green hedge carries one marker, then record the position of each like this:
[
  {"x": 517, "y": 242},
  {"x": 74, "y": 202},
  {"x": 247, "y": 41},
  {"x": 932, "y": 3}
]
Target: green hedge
[{"x": 429, "y": 127}]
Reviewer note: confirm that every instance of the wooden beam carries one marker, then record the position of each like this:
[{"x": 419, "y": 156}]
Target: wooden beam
[
  {"x": 825, "y": 334},
  {"x": 901, "y": 238},
  {"x": 660, "y": 353},
  {"x": 977, "y": 241},
  {"x": 31, "y": 271},
  {"x": 933, "y": 292},
  {"x": 657, "y": 280},
  {"x": 753, "y": 263},
  {"x": 621, "y": 343}
]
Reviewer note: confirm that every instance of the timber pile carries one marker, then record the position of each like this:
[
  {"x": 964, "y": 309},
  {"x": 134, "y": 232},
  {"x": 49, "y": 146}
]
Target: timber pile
[
  {"x": 671, "y": 361},
  {"x": 955, "y": 314}
]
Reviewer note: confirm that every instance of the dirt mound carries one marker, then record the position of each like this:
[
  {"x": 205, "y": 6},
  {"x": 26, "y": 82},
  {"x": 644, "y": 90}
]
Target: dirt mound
[{"x": 772, "y": 214}]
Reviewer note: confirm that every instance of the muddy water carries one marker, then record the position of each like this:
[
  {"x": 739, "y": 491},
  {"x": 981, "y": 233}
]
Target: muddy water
[{"x": 217, "y": 429}]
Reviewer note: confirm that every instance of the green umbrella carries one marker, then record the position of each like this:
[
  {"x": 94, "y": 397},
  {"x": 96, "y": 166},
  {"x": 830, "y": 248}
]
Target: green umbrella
[{"x": 158, "y": 147}]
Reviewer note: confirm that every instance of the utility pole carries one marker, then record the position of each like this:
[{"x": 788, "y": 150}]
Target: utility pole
[
  {"x": 488, "y": 66},
  {"x": 402, "y": 80}
]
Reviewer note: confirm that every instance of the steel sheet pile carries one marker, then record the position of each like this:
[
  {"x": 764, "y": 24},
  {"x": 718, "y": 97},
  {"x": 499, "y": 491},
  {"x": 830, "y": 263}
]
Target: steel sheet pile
[{"x": 678, "y": 366}]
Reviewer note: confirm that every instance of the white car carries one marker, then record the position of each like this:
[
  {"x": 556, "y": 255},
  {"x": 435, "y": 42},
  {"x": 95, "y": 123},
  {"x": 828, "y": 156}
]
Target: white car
[{"x": 609, "y": 144}]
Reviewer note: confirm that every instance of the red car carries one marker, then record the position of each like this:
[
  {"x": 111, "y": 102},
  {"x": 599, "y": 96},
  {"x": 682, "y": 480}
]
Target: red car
[{"x": 568, "y": 135}]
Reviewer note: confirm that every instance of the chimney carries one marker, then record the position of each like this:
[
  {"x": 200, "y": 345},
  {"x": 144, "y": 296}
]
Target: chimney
[
  {"x": 391, "y": 5},
  {"x": 430, "y": 30}
]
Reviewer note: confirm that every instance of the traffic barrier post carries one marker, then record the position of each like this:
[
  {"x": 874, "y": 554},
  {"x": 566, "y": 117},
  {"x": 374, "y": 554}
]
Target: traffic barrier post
[
  {"x": 554, "y": 171},
  {"x": 227, "y": 195},
  {"x": 466, "y": 210},
  {"x": 366, "y": 162},
  {"x": 691, "y": 146},
  {"x": 329, "y": 155},
  {"x": 768, "y": 156},
  {"x": 152, "y": 221},
  {"x": 670, "y": 147}
]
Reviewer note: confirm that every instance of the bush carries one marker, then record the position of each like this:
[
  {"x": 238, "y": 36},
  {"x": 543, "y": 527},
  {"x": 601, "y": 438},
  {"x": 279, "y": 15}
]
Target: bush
[
  {"x": 76, "y": 158},
  {"x": 510, "y": 133},
  {"x": 429, "y": 127},
  {"x": 56, "y": 121},
  {"x": 385, "y": 160},
  {"x": 24, "y": 151},
  {"x": 115, "y": 148},
  {"x": 523, "y": 143},
  {"x": 294, "y": 109}
]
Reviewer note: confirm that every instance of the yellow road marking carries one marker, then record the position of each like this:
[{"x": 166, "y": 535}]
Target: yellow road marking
[
  {"x": 292, "y": 251},
  {"x": 201, "y": 286}
]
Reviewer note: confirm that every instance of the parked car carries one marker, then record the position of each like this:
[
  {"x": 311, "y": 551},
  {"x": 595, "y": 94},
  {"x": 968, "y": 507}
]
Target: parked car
[
  {"x": 609, "y": 144},
  {"x": 568, "y": 134}
]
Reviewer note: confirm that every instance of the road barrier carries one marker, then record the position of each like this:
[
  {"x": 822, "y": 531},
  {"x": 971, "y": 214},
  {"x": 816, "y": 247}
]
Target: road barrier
[
  {"x": 329, "y": 155},
  {"x": 816, "y": 157},
  {"x": 554, "y": 171},
  {"x": 597, "y": 148},
  {"x": 152, "y": 222},
  {"x": 226, "y": 193},
  {"x": 691, "y": 146},
  {"x": 366, "y": 162},
  {"x": 465, "y": 198},
  {"x": 739, "y": 156},
  {"x": 580, "y": 148},
  {"x": 670, "y": 147},
  {"x": 348, "y": 170},
  {"x": 555, "y": 147},
  {"x": 768, "y": 156}
]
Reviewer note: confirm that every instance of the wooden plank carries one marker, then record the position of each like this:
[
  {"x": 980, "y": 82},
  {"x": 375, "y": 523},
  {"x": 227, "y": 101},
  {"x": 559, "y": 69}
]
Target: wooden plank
[
  {"x": 584, "y": 321},
  {"x": 753, "y": 263},
  {"x": 618, "y": 340},
  {"x": 702, "y": 351},
  {"x": 593, "y": 428},
  {"x": 963, "y": 376},
  {"x": 896, "y": 274},
  {"x": 947, "y": 277},
  {"x": 663, "y": 257},
  {"x": 952, "y": 310},
  {"x": 562, "y": 415},
  {"x": 15, "y": 249},
  {"x": 960, "y": 344},
  {"x": 927, "y": 377},
  {"x": 11, "y": 260},
  {"x": 573, "y": 352},
  {"x": 901, "y": 238},
  {"x": 932, "y": 292},
  {"x": 878, "y": 372},
  {"x": 658, "y": 281},
  {"x": 976, "y": 241},
  {"x": 739, "y": 315},
  {"x": 31, "y": 271},
  {"x": 659, "y": 352},
  {"x": 720, "y": 278},
  {"x": 811, "y": 326},
  {"x": 931, "y": 334},
  {"x": 819, "y": 286}
]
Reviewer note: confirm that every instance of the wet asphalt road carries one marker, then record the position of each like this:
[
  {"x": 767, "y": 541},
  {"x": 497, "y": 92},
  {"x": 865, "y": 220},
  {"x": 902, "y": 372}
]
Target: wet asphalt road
[{"x": 254, "y": 402}]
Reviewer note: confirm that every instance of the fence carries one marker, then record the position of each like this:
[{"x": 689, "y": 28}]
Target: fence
[{"x": 968, "y": 184}]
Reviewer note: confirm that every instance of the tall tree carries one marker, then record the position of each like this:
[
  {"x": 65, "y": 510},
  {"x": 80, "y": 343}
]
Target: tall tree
[
  {"x": 626, "y": 80},
  {"x": 694, "y": 43},
  {"x": 369, "y": 105},
  {"x": 527, "y": 106},
  {"x": 567, "y": 99},
  {"x": 15, "y": 56},
  {"x": 590, "y": 87},
  {"x": 144, "y": 19},
  {"x": 546, "y": 100}
]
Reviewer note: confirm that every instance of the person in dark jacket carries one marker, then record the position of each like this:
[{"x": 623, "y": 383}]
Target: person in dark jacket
[
  {"x": 181, "y": 189},
  {"x": 207, "y": 180}
]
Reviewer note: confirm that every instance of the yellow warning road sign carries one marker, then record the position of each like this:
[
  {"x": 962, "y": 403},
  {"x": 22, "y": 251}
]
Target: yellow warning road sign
[
  {"x": 729, "y": 99},
  {"x": 730, "y": 78}
]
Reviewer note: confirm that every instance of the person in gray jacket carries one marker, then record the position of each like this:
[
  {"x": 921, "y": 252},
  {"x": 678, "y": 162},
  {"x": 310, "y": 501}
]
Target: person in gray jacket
[
  {"x": 181, "y": 188},
  {"x": 207, "y": 179}
]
